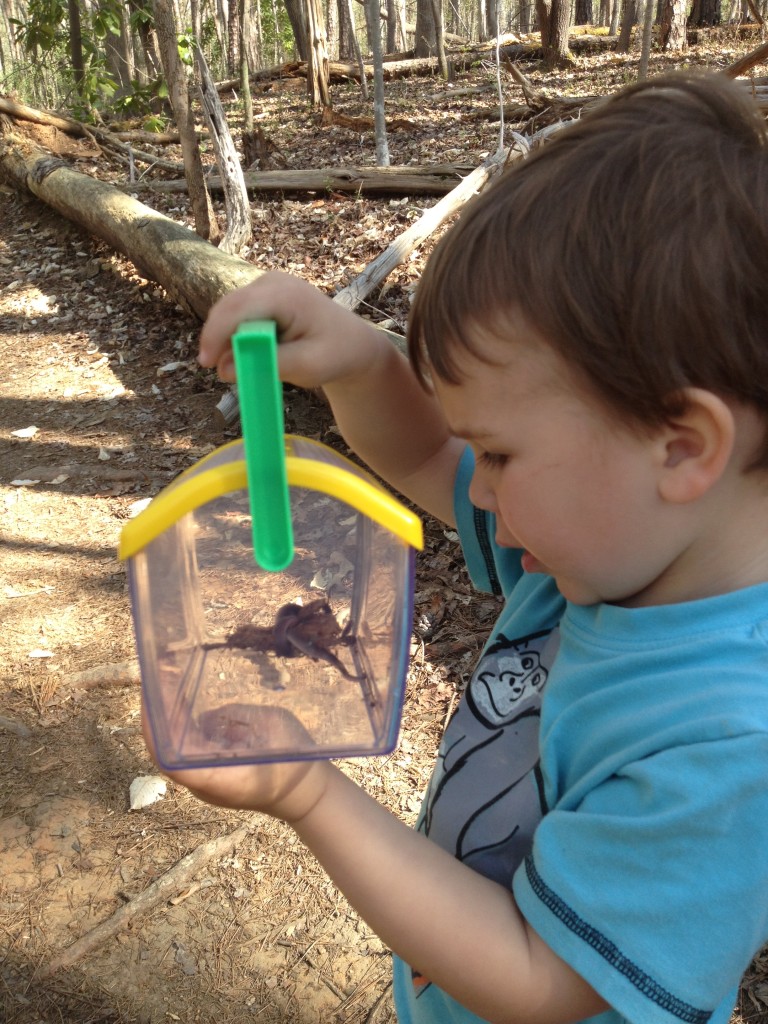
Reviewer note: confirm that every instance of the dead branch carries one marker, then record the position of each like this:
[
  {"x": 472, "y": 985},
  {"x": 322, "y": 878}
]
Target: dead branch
[
  {"x": 149, "y": 138},
  {"x": 116, "y": 673},
  {"x": 158, "y": 892},
  {"x": 351, "y": 296},
  {"x": 407, "y": 180},
  {"x": 746, "y": 63},
  {"x": 25, "y": 113},
  {"x": 127, "y": 154},
  {"x": 239, "y": 230},
  {"x": 403, "y": 65}
]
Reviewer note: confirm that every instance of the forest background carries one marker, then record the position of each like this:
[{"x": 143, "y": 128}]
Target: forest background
[{"x": 178, "y": 911}]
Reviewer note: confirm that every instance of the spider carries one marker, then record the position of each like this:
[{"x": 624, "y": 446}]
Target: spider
[{"x": 310, "y": 630}]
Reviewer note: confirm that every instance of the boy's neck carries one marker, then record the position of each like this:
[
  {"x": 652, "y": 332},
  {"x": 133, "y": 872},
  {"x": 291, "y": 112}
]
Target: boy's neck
[{"x": 727, "y": 552}]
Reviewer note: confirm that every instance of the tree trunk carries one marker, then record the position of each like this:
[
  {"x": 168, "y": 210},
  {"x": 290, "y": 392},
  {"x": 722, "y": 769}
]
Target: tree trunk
[
  {"x": 76, "y": 45},
  {"x": 318, "y": 86},
  {"x": 178, "y": 88},
  {"x": 426, "y": 37},
  {"x": 627, "y": 24},
  {"x": 118, "y": 52},
  {"x": 233, "y": 36},
  {"x": 429, "y": 180},
  {"x": 706, "y": 13},
  {"x": 332, "y": 28},
  {"x": 297, "y": 15},
  {"x": 391, "y": 43},
  {"x": 494, "y": 21},
  {"x": 642, "y": 71},
  {"x": 401, "y": 23},
  {"x": 221, "y": 25},
  {"x": 357, "y": 51},
  {"x": 615, "y": 13},
  {"x": 373, "y": 21},
  {"x": 673, "y": 36},
  {"x": 144, "y": 31},
  {"x": 442, "y": 61},
  {"x": 554, "y": 23},
  {"x": 347, "y": 38},
  {"x": 245, "y": 70}
]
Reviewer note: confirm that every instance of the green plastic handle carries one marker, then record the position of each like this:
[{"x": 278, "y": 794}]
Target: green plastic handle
[{"x": 261, "y": 415}]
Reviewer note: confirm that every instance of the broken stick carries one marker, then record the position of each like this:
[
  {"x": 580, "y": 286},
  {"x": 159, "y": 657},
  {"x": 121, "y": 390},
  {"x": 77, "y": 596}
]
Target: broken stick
[{"x": 158, "y": 892}]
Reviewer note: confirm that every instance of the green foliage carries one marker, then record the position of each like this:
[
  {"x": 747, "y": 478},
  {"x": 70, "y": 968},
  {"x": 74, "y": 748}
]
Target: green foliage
[
  {"x": 185, "y": 43},
  {"x": 43, "y": 28},
  {"x": 141, "y": 99},
  {"x": 155, "y": 123},
  {"x": 142, "y": 17},
  {"x": 278, "y": 36},
  {"x": 96, "y": 87},
  {"x": 211, "y": 47},
  {"x": 46, "y": 30},
  {"x": 44, "y": 33}
]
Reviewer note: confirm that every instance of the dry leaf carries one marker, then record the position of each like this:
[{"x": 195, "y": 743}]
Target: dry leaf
[{"x": 146, "y": 790}]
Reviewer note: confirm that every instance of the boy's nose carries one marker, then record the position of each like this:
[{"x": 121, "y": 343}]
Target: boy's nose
[{"x": 480, "y": 493}]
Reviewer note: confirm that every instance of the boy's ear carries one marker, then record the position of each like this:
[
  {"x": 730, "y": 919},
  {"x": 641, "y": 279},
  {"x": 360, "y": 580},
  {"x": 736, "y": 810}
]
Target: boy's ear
[{"x": 697, "y": 446}]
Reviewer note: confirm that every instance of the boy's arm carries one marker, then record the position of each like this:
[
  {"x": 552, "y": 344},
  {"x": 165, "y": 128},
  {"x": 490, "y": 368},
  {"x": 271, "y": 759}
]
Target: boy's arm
[
  {"x": 384, "y": 414},
  {"x": 458, "y": 928},
  {"x": 461, "y": 930}
]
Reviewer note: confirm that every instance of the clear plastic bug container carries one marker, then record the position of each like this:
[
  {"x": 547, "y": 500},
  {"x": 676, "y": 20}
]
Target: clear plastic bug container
[{"x": 244, "y": 664}]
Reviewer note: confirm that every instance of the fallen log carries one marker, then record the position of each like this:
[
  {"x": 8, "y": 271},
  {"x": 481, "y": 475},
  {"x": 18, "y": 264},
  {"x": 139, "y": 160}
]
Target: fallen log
[
  {"x": 193, "y": 272},
  {"x": 436, "y": 180}
]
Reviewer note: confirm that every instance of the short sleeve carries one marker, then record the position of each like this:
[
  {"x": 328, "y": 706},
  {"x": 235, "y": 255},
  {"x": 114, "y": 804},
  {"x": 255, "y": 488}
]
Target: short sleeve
[{"x": 655, "y": 887}]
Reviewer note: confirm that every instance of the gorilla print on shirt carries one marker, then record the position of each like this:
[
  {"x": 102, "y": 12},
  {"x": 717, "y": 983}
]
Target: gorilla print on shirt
[{"x": 485, "y": 797}]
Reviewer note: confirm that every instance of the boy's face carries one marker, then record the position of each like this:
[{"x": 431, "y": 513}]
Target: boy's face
[{"x": 568, "y": 484}]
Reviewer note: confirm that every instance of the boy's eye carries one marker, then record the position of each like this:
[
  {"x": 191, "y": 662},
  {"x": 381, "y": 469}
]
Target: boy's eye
[{"x": 493, "y": 460}]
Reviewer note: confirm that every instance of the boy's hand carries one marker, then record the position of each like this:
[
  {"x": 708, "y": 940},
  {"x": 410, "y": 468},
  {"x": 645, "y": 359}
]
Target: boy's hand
[
  {"x": 319, "y": 341},
  {"x": 384, "y": 414},
  {"x": 286, "y": 790}
]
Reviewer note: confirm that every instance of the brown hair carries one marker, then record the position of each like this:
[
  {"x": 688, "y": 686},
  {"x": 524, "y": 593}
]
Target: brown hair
[{"x": 635, "y": 242}]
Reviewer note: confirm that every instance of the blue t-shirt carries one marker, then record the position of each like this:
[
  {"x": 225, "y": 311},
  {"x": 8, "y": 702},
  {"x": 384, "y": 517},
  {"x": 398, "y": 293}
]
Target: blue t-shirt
[{"x": 610, "y": 765}]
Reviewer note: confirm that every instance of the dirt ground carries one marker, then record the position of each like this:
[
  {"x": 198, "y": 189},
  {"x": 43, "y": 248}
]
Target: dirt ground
[{"x": 101, "y": 405}]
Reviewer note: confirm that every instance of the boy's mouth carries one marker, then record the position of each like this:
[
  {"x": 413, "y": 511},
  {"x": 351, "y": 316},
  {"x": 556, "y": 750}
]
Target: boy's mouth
[{"x": 530, "y": 563}]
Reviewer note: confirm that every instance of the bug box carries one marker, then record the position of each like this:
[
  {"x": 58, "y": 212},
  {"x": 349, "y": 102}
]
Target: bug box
[{"x": 296, "y": 652}]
